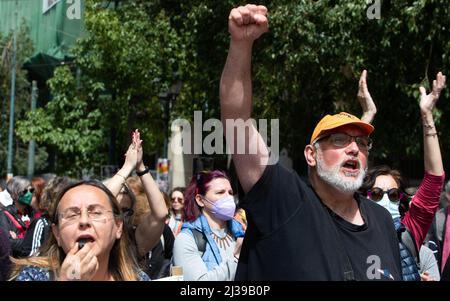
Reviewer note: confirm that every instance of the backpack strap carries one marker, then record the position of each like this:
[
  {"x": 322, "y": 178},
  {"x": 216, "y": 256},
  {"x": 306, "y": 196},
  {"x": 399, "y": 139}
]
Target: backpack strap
[
  {"x": 200, "y": 240},
  {"x": 407, "y": 239}
]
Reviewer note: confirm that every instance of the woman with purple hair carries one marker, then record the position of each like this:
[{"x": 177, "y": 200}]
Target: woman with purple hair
[{"x": 210, "y": 240}]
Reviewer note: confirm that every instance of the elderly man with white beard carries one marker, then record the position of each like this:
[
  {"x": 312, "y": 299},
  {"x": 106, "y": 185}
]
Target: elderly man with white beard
[{"x": 318, "y": 229}]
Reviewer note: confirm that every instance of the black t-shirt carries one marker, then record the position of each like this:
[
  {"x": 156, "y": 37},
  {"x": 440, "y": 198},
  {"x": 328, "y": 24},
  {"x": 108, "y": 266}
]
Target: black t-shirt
[
  {"x": 159, "y": 263},
  {"x": 291, "y": 235},
  {"x": 446, "y": 271}
]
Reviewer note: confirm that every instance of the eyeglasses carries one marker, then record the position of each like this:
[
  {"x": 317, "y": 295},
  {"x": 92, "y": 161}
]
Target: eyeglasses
[
  {"x": 23, "y": 192},
  {"x": 342, "y": 140},
  {"x": 95, "y": 214},
  {"x": 376, "y": 194}
]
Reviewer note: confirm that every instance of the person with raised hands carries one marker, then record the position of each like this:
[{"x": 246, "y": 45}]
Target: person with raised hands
[
  {"x": 149, "y": 230},
  {"x": 386, "y": 187},
  {"x": 318, "y": 229}
]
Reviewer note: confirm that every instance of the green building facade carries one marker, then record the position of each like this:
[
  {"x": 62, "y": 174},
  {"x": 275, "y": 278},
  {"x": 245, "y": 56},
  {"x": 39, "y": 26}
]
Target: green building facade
[{"x": 54, "y": 26}]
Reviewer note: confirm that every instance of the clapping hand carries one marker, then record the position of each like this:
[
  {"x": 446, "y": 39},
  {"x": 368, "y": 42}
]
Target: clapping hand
[
  {"x": 365, "y": 99},
  {"x": 428, "y": 101}
]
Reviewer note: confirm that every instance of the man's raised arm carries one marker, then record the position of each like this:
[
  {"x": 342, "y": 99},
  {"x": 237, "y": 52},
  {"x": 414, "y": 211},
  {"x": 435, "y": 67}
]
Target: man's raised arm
[{"x": 245, "y": 25}]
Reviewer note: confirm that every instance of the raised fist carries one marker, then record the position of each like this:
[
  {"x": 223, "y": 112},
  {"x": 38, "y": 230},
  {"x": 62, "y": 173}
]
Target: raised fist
[{"x": 248, "y": 23}]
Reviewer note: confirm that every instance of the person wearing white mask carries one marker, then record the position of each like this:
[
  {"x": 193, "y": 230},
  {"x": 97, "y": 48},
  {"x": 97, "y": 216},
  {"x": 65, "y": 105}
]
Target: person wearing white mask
[
  {"x": 386, "y": 187},
  {"x": 209, "y": 244}
]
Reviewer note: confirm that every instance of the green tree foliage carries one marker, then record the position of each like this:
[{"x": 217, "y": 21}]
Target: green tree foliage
[
  {"x": 310, "y": 62},
  {"x": 73, "y": 125},
  {"x": 128, "y": 57},
  {"x": 308, "y": 65},
  {"x": 22, "y": 102}
]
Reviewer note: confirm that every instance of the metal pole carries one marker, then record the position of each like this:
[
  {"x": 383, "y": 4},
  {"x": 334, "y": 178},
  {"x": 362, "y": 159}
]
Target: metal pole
[
  {"x": 32, "y": 145},
  {"x": 166, "y": 124},
  {"x": 11, "y": 108}
]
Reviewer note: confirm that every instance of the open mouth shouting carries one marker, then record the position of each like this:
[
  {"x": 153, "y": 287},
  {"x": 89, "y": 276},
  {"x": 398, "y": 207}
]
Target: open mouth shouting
[
  {"x": 351, "y": 167},
  {"x": 83, "y": 239}
]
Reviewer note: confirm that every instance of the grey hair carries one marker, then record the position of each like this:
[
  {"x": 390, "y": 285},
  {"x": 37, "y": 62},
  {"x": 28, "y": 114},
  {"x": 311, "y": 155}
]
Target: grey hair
[
  {"x": 316, "y": 146},
  {"x": 16, "y": 185}
]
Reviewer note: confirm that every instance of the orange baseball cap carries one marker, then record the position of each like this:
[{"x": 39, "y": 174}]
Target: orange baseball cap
[{"x": 330, "y": 122}]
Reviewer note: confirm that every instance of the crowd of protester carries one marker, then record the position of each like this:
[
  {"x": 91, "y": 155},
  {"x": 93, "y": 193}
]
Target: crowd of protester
[{"x": 327, "y": 227}]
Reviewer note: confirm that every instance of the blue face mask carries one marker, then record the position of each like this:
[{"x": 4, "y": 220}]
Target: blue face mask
[
  {"x": 223, "y": 208},
  {"x": 390, "y": 206}
]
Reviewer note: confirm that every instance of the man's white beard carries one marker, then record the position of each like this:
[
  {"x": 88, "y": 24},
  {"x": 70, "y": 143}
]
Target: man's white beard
[{"x": 333, "y": 178}]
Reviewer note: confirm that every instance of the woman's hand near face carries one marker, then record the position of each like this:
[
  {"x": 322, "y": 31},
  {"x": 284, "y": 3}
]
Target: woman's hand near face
[{"x": 79, "y": 264}]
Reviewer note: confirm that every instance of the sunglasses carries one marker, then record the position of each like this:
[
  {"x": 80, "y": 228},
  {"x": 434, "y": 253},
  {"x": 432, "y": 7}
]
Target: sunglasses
[
  {"x": 376, "y": 194},
  {"x": 23, "y": 192},
  {"x": 179, "y": 200}
]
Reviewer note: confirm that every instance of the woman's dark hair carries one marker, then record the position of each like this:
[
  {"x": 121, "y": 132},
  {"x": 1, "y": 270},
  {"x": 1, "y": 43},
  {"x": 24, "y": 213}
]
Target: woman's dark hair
[
  {"x": 38, "y": 184},
  {"x": 199, "y": 185},
  {"x": 128, "y": 191},
  {"x": 384, "y": 170},
  {"x": 180, "y": 189},
  {"x": 50, "y": 194},
  {"x": 128, "y": 214}
]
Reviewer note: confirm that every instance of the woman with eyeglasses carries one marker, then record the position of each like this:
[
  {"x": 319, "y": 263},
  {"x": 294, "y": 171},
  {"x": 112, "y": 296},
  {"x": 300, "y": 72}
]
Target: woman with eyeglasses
[
  {"x": 385, "y": 186},
  {"x": 209, "y": 244},
  {"x": 176, "y": 219},
  {"x": 87, "y": 241},
  {"x": 17, "y": 217}
]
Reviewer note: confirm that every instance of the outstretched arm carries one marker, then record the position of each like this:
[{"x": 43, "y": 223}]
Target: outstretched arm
[
  {"x": 432, "y": 152},
  {"x": 115, "y": 183},
  {"x": 365, "y": 99},
  {"x": 426, "y": 201},
  {"x": 245, "y": 25},
  {"x": 149, "y": 231}
]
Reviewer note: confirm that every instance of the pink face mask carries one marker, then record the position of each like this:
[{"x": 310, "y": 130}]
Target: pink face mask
[{"x": 223, "y": 208}]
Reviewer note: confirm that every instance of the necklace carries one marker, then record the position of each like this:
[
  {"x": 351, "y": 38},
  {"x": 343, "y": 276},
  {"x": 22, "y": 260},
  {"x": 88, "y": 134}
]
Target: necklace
[{"x": 222, "y": 242}]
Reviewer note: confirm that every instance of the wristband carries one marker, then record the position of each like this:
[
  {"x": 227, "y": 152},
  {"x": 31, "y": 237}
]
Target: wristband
[{"x": 141, "y": 173}]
